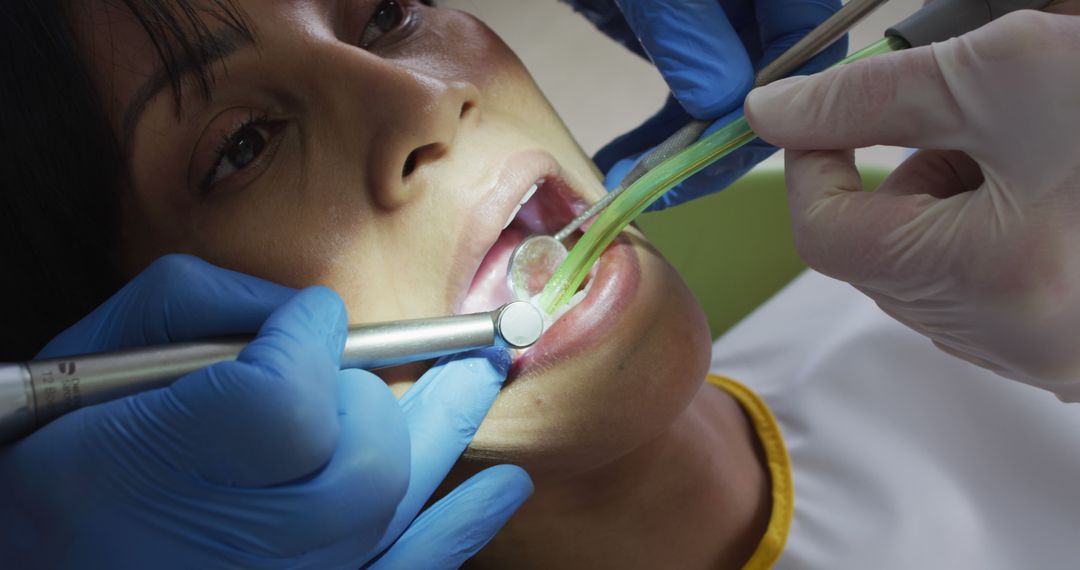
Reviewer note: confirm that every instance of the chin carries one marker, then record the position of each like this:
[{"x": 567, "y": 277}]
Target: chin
[{"x": 608, "y": 377}]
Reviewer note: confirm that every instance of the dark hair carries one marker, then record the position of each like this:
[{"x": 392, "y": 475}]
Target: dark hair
[{"x": 63, "y": 167}]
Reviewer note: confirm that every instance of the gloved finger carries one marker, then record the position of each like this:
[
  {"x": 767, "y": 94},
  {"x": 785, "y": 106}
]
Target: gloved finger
[
  {"x": 443, "y": 411},
  {"x": 910, "y": 310},
  {"x": 1066, "y": 392},
  {"x": 898, "y": 99},
  {"x": 341, "y": 512},
  {"x": 456, "y": 527},
  {"x": 938, "y": 173},
  {"x": 267, "y": 418},
  {"x": 887, "y": 240},
  {"x": 933, "y": 319},
  {"x": 620, "y": 169},
  {"x": 967, "y": 357},
  {"x": 670, "y": 118},
  {"x": 178, "y": 297},
  {"x": 696, "y": 49},
  {"x": 785, "y": 22}
]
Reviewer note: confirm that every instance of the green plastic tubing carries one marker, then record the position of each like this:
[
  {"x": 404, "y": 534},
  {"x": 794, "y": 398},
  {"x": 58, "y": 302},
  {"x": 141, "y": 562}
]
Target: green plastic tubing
[{"x": 665, "y": 176}]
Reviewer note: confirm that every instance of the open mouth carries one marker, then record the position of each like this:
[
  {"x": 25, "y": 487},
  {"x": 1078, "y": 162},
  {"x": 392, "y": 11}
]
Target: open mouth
[{"x": 546, "y": 207}]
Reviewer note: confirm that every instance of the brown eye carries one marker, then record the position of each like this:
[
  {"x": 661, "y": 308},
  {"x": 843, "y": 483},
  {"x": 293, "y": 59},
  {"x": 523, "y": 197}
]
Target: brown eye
[
  {"x": 240, "y": 149},
  {"x": 245, "y": 148},
  {"x": 388, "y": 15}
]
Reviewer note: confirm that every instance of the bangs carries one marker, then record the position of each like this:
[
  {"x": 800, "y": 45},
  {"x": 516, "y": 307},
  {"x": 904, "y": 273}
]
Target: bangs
[{"x": 181, "y": 33}]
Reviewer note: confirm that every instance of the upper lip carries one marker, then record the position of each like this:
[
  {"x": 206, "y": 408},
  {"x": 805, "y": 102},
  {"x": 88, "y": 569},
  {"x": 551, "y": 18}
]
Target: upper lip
[{"x": 485, "y": 222}]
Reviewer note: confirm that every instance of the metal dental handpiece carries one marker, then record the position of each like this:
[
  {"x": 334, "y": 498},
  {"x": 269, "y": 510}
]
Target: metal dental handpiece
[{"x": 36, "y": 392}]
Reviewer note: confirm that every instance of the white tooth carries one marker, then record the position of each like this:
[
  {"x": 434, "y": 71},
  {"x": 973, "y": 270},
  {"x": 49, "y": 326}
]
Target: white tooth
[
  {"x": 530, "y": 193},
  {"x": 511, "y": 218}
]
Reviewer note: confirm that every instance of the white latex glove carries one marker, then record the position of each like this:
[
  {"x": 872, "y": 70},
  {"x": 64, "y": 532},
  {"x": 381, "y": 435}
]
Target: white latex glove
[{"x": 974, "y": 242}]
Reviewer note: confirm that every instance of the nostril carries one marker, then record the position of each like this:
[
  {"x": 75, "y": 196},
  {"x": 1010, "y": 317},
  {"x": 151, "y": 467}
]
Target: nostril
[
  {"x": 421, "y": 156},
  {"x": 410, "y": 165},
  {"x": 465, "y": 108}
]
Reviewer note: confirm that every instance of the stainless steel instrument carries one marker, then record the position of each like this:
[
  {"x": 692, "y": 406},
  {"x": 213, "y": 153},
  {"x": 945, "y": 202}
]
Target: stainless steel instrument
[{"x": 36, "y": 392}]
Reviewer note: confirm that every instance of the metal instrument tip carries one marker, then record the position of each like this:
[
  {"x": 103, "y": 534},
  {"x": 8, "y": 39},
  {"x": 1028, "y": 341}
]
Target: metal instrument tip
[{"x": 519, "y": 324}]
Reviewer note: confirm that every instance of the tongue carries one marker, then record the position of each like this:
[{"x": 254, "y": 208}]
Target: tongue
[{"x": 489, "y": 289}]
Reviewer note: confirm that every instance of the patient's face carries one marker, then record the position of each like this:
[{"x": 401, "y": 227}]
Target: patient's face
[{"x": 378, "y": 148}]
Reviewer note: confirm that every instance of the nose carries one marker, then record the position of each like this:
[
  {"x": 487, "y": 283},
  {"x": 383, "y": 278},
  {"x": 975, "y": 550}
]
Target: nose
[{"x": 424, "y": 116}]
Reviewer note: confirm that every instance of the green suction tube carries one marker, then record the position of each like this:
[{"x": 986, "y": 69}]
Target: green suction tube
[{"x": 647, "y": 189}]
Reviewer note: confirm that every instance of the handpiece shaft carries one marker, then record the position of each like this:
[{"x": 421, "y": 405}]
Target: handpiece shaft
[
  {"x": 816, "y": 40},
  {"x": 36, "y": 392}
]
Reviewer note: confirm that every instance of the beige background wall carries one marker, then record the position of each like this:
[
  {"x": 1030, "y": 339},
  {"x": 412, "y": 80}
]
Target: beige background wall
[{"x": 601, "y": 89}]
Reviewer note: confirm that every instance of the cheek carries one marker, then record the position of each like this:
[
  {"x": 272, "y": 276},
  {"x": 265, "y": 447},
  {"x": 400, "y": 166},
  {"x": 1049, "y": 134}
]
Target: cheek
[
  {"x": 294, "y": 231},
  {"x": 456, "y": 46},
  {"x": 293, "y": 257},
  {"x": 391, "y": 271},
  {"x": 669, "y": 362},
  {"x": 658, "y": 372}
]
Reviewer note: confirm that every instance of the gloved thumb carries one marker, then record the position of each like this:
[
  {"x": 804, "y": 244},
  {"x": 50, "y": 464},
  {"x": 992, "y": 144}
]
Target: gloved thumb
[
  {"x": 267, "y": 418},
  {"x": 444, "y": 409},
  {"x": 457, "y": 526}
]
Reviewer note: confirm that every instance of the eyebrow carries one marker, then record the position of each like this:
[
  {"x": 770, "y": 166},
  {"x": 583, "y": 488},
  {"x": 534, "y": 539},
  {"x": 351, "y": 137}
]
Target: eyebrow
[{"x": 216, "y": 46}]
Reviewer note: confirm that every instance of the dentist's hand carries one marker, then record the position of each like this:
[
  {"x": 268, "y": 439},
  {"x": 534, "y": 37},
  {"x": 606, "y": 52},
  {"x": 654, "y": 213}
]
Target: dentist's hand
[
  {"x": 275, "y": 460},
  {"x": 708, "y": 52},
  {"x": 975, "y": 241}
]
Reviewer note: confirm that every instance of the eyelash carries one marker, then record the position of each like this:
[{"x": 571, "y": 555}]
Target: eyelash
[{"x": 261, "y": 120}]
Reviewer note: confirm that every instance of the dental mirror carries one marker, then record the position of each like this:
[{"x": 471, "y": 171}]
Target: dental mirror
[{"x": 532, "y": 264}]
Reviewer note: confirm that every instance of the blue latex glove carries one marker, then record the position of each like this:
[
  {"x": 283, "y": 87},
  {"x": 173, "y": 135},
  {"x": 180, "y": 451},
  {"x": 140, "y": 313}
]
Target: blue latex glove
[
  {"x": 278, "y": 459},
  {"x": 708, "y": 52}
]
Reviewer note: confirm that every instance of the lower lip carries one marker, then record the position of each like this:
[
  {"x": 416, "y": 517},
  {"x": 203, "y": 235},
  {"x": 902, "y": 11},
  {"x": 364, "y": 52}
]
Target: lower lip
[{"x": 612, "y": 290}]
